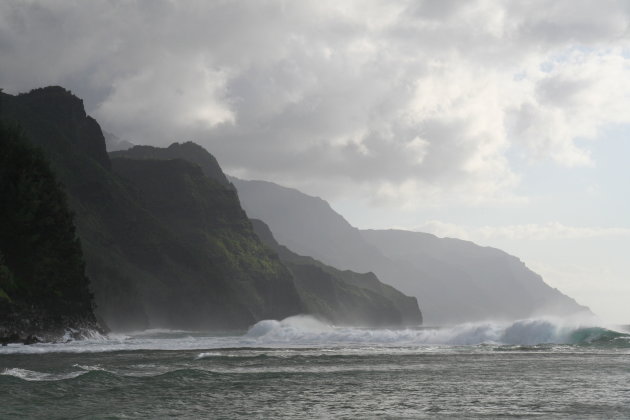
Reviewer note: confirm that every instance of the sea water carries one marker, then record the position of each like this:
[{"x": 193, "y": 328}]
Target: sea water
[{"x": 303, "y": 368}]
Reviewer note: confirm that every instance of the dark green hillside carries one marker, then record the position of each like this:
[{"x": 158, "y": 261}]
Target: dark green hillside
[
  {"x": 43, "y": 287},
  {"x": 109, "y": 220},
  {"x": 234, "y": 276},
  {"x": 166, "y": 242},
  {"x": 343, "y": 297},
  {"x": 148, "y": 266}
]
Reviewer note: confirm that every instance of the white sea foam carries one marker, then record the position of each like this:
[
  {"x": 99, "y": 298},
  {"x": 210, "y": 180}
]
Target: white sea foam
[
  {"x": 290, "y": 328},
  {"x": 89, "y": 368},
  {"x": 158, "y": 331},
  {"x": 305, "y": 331},
  {"x": 208, "y": 354},
  {"x": 31, "y": 375},
  {"x": 72, "y": 334}
]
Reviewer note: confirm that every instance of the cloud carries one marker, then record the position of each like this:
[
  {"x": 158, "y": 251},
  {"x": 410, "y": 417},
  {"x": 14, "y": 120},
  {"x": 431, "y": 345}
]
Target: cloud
[
  {"x": 536, "y": 232},
  {"x": 402, "y": 102}
]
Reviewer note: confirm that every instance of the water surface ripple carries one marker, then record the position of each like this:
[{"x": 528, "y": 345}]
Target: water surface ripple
[{"x": 262, "y": 374}]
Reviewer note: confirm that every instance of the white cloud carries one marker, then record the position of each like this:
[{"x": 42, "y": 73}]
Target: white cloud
[
  {"x": 406, "y": 103},
  {"x": 537, "y": 232},
  {"x": 187, "y": 93},
  {"x": 577, "y": 95}
]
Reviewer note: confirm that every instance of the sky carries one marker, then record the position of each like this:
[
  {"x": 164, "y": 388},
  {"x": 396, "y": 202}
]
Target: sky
[{"x": 501, "y": 122}]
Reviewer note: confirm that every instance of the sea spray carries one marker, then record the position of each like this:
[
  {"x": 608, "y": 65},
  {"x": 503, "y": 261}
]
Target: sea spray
[
  {"x": 31, "y": 375},
  {"x": 293, "y": 327},
  {"x": 304, "y": 330}
]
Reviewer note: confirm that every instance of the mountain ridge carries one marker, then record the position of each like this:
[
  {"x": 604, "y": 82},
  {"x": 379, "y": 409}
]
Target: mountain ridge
[
  {"x": 477, "y": 285},
  {"x": 310, "y": 276},
  {"x": 133, "y": 255},
  {"x": 377, "y": 304}
]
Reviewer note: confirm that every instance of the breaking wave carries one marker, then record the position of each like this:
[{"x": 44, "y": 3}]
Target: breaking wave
[
  {"x": 31, "y": 375},
  {"x": 308, "y": 330}
]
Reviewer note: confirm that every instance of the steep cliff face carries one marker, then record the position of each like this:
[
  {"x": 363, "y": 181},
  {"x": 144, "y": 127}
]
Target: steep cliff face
[
  {"x": 454, "y": 281},
  {"x": 343, "y": 297},
  {"x": 55, "y": 120},
  {"x": 149, "y": 265},
  {"x": 105, "y": 207},
  {"x": 43, "y": 287},
  {"x": 220, "y": 274}
]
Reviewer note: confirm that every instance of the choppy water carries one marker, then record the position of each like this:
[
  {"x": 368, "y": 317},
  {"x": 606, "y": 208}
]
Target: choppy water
[{"x": 300, "y": 368}]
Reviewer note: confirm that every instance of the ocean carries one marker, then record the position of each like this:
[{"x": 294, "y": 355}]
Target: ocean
[{"x": 302, "y": 368}]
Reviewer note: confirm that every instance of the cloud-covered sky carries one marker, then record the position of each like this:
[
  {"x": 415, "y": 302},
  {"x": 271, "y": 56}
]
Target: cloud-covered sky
[{"x": 480, "y": 111}]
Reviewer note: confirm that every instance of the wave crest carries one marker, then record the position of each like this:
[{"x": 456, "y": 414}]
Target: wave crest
[
  {"x": 305, "y": 330},
  {"x": 31, "y": 375}
]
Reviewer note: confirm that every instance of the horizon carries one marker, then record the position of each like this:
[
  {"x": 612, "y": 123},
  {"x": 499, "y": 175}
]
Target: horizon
[{"x": 501, "y": 123}]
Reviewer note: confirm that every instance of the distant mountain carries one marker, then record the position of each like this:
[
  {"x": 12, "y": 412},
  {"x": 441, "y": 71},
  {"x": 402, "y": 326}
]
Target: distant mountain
[
  {"x": 165, "y": 246},
  {"x": 340, "y": 297},
  {"x": 307, "y": 225},
  {"x": 454, "y": 281},
  {"x": 43, "y": 287},
  {"x": 485, "y": 282},
  {"x": 113, "y": 142},
  {"x": 343, "y": 297}
]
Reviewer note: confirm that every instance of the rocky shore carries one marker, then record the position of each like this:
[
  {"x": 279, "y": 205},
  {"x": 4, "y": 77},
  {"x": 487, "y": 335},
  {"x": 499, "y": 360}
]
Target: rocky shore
[{"x": 28, "y": 325}]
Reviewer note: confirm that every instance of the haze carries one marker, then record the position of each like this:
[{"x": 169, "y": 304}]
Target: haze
[{"x": 501, "y": 122}]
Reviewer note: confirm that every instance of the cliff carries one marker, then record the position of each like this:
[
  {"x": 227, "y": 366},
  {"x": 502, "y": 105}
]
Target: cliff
[
  {"x": 481, "y": 282},
  {"x": 188, "y": 151},
  {"x": 220, "y": 274},
  {"x": 343, "y": 297},
  {"x": 454, "y": 281},
  {"x": 165, "y": 247},
  {"x": 43, "y": 287}
]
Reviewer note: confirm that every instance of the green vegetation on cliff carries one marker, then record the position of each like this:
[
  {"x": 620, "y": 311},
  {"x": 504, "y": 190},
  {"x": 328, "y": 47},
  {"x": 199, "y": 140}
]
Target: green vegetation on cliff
[
  {"x": 164, "y": 246},
  {"x": 233, "y": 275},
  {"x": 166, "y": 242},
  {"x": 343, "y": 297},
  {"x": 43, "y": 285}
]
